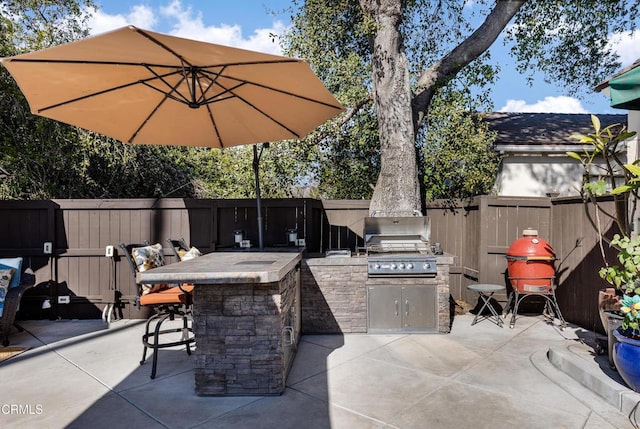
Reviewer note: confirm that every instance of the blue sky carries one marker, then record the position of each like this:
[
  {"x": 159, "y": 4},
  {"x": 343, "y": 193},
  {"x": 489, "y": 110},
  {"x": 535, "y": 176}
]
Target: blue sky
[{"x": 248, "y": 23}]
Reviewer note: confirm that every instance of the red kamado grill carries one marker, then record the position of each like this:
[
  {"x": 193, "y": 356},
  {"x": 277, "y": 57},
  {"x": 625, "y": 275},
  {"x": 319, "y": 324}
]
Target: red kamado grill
[
  {"x": 530, "y": 265},
  {"x": 397, "y": 245}
]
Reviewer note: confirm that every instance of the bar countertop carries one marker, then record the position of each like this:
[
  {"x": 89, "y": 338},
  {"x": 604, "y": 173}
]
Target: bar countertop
[{"x": 224, "y": 268}]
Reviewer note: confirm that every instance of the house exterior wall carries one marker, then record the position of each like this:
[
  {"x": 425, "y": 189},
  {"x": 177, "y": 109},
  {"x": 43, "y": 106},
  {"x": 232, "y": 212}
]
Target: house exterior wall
[
  {"x": 533, "y": 149},
  {"x": 537, "y": 176},
  {"x": 633, "y": 121}
]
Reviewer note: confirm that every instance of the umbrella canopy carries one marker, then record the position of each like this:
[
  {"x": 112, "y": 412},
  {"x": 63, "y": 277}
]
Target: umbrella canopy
[{"x": 143, "y": 87}]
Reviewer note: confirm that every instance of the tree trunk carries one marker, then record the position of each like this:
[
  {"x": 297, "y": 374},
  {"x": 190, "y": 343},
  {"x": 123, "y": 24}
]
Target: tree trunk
[{"x": 397, "y": 188}]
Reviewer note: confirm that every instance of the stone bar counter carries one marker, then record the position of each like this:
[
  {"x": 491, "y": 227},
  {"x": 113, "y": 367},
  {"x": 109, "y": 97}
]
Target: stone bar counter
[{"x": 246, "y": 318}]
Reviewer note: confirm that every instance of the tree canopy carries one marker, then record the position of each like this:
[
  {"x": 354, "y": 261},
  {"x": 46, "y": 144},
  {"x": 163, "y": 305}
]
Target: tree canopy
[
  {"x": 399, "y": 65},
  {"x": 415, "y": 76}
]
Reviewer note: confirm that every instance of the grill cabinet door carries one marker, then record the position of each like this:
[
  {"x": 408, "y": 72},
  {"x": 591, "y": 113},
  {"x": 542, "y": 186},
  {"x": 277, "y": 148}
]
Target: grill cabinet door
[
  {"x": 385, "y": 308},
  {"x": 419, "y": 308}
]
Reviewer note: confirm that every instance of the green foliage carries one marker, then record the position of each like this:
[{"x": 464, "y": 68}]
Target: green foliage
[
  {"x": 40, "y": 158},
  {"x": 45, "y": 159},
  {"x": 459, "y": 160},
  {"x": 624, "y": 276},
  {"x": 627, "y": 278},
  {"x": 350, "y": 163},
  {"x": 28, "y": 25},
  {"x": 633, "y": 180},
  {"x": 602, "y": 163},
  {"x": 342, "y": 157},
  {"x": 331, "y": 35},
  {"x": 569, "y": 40},
  {"x": 604, "y": 169}
]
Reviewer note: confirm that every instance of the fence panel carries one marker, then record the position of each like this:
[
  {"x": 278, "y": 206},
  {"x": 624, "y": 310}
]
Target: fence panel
[
  {"x": 580, "y": 257},
  {"x": 478, "y": 232},
  {"x": 81, "y": 229}
]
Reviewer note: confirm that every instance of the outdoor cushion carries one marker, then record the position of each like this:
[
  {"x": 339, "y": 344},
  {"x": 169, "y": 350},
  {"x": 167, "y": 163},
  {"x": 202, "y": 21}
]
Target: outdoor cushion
[
  {"x": 191, "y": 254},
  {"x": 146, "y": 258},
  {"x": 5, "y": 280},
  {"x": 173, "y": 295},
  {"x": 16, "y": 264}
]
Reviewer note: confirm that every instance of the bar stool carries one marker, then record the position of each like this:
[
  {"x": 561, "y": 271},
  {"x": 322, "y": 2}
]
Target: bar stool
[{"x": 485, "y": 292}]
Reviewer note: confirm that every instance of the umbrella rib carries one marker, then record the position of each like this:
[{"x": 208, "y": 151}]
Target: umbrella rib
[
  {"x": 210, "y": 113},
  {"x": 270, "y": 88},
  {"x": 162, "y": 45},
  {"x": 271, "y": 118},
  {"x": 203, "y": 91},
  {"x": 155, "y": 109},
  {"x": 182, "y": 98},
  {"x": 105, "y": 91},
  {"x": 215, "y": 126}
]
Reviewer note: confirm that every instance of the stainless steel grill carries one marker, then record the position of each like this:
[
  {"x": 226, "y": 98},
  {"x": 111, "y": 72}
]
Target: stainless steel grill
[{"x": 398, "y": 246}]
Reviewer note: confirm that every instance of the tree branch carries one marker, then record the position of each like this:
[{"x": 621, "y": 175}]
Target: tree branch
[
  {"x": 471, "y": 48},
  {"x": 353, "y": 110}
]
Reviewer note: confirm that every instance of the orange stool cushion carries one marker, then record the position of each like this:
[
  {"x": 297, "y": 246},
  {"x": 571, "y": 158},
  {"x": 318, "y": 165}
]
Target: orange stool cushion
[{"x": 172, "y": 295}]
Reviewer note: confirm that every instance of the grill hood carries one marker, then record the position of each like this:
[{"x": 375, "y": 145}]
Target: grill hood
[{"x": 395, "y": 232}]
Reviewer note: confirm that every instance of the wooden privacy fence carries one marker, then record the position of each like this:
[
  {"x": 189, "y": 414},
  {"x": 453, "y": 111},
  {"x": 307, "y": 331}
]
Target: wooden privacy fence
[
  {"x": 80, "y": 231},
  {"x": 478, "y": 232}
]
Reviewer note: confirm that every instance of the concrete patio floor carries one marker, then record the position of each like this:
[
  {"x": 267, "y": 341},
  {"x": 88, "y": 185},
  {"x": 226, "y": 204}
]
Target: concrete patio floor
[{"x": 85, "y": 374}]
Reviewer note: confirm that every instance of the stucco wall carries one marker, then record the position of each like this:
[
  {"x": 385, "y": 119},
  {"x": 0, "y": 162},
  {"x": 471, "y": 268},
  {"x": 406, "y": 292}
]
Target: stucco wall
[{"x": 524, "y": 176}]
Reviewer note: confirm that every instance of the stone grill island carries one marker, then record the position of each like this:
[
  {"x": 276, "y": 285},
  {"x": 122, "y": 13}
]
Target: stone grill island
[
  {"x": 246, "y": 318},
  {"x": 338, "y": 297}
]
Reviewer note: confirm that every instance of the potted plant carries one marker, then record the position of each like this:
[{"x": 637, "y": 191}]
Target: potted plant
[
  {"x": 624, "y": 320},
  {"x": 626, "y": 277},
  {"x": 607, "y": 173}
]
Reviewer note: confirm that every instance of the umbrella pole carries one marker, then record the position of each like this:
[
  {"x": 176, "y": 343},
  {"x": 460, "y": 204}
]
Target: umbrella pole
[{"x": 256, "y": 165}]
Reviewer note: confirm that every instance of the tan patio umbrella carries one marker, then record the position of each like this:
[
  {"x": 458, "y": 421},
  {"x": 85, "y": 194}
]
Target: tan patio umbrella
[
  {"x": 148, "y": 88},
  {"x": 143, "y": 87}
]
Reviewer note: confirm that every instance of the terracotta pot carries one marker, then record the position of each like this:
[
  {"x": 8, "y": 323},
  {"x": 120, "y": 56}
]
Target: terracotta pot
[
  {"x": 608, "y": 300},
  {"x": 608, "y": 304}
]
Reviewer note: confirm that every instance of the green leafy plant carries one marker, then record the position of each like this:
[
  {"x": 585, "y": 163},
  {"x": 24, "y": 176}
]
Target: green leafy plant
[
  {"x": 626, "y": 277},
  {"x": 605, "y": 172},
  {"x": 605, "y": 169}
]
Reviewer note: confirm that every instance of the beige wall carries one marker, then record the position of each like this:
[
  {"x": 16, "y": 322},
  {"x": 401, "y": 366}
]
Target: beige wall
[{"x": 533, "y": 176}]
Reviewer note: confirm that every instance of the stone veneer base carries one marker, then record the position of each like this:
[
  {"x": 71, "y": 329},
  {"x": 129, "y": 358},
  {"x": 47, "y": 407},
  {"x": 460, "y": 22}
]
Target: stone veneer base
[
  {"x": 334, "y": 294},
  {"x": 241, "y": 341}
]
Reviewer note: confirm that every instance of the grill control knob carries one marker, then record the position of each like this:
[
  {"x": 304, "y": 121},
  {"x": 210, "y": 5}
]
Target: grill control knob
[
  {"x": 393, "y": 266},
  {"x": 426, "y": 266},
  {"x": 401, "y": 266},
  {"x": 409, "y": 266},
  {"x": 376, "y": 266}
]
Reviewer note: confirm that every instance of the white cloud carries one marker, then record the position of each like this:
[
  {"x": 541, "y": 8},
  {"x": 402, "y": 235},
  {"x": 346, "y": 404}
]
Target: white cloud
[
  {"x": 139, "y": 15},
  {"x": 627, "y": 45},
  {"x": 183, "y": 21},
  {"x": 560, "y": 104}
]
